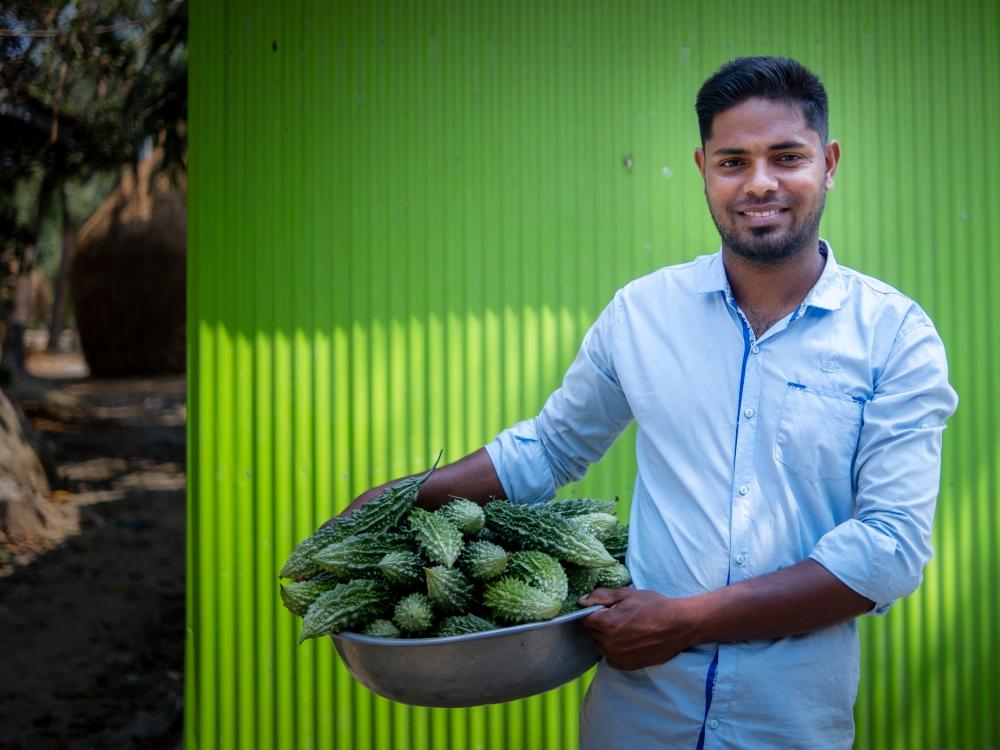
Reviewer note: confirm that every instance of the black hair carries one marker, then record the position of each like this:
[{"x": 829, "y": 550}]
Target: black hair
[{"x": 776, "y": 78}]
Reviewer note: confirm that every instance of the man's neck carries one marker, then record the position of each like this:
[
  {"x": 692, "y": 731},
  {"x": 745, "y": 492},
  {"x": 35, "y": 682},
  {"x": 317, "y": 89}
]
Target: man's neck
[{"x": 768, "y": 292}]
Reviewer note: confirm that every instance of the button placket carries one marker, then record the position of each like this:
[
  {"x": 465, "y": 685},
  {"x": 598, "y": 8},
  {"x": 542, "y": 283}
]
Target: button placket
[{"x": 745, "y": 478}]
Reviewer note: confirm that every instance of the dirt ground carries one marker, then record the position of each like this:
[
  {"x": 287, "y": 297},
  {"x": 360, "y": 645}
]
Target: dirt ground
[{"x": 92, "y": 632}]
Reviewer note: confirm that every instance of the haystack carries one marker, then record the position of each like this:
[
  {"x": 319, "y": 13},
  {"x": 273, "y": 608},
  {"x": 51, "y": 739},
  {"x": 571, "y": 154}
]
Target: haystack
[
  {"x": 29, "y": 519},
  {"x": 127, "y": 277}
]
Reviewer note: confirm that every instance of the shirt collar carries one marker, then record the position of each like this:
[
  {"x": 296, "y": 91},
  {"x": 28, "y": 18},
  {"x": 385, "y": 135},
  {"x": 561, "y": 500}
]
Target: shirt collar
[{"x": 828, "y": 292}]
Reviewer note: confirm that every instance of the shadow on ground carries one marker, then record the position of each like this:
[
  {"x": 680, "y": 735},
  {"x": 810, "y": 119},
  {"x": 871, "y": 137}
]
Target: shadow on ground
[{"x": 92, "y": 632}]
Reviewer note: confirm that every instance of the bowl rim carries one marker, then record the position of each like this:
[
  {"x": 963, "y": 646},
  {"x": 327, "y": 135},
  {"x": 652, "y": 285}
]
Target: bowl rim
[{"x": 482, "y": 635}]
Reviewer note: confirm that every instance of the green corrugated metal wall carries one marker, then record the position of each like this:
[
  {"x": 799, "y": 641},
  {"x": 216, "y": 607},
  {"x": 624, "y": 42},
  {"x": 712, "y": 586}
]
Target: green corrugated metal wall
[{"x": 404, "y": 215}]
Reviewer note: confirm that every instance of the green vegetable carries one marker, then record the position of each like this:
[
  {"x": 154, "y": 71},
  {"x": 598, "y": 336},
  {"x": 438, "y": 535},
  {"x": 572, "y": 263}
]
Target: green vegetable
[
  {"x": 463, "y": 624},
  {"x": 613, "y": 577},
  {"x": 436, "y": 536},
  {"x": 582, "y": 580},
  {"x": 449, "y": 589},
  {"x": 617, "y": 542},
  {"x": 347, "y": 605},
  {"x": 379, "y": 514},
  {"x": 358, "y": 555},
  {"x": 466, "y": 515},
  {"x": 382, "y": 629},
  {"x": 601, "y": 525},
  {"x": 539, "y": 570},
  {"x": 570, "y": 604},
  {"x": 414, "y": 614},
  {"x": 578, "y": 507},
  {"x": 526, "y": 528},
  {"x": 299, "y": 595},
  {"x": 402, "y": 568},
  {"x": 483, "y": 560},
  {"x": 512, "y": 600},
  {"x": 390, "y": 506},
  {"x": 300, "y": 563},
  {"x": 527, "y": 563}
]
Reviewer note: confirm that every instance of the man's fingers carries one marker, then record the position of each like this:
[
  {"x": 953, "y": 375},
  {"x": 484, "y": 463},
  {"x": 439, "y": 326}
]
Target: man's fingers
[{"x": 607, "y": 597}]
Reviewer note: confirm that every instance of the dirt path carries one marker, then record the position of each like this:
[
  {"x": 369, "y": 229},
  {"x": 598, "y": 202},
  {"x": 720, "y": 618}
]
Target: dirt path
[{"x": 92, "y": 632}]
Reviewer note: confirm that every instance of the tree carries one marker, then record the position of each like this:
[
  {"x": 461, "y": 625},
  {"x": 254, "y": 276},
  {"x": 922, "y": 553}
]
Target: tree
[{"x": 84, "y": 88}]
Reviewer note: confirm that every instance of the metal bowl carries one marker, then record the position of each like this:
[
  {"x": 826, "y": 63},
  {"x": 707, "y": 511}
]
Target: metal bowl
[{"x": 475, "y": 669}]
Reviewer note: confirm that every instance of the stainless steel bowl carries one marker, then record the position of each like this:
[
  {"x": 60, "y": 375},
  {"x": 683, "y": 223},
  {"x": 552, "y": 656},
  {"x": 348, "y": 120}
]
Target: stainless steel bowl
[{"x": 475, "y": 669}]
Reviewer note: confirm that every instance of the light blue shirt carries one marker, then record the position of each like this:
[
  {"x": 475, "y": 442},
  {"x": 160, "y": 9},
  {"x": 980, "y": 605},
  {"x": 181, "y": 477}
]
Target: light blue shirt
[{"x": 820, "y": 439}]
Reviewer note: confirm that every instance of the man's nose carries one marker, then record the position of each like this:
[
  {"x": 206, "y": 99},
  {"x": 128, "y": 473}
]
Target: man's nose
[{"x": 760, "y": 180}]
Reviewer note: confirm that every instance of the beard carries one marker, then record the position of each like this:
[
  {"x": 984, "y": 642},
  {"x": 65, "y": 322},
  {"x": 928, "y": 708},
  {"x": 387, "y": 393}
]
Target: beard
[{"x": 771, "y": 245}]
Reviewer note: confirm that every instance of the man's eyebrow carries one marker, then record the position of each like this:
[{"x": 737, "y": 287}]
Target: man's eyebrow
[{"x": 774, "y": 147}]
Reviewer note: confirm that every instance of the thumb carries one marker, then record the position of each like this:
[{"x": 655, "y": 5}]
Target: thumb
[{"x": 604, "y": 596}]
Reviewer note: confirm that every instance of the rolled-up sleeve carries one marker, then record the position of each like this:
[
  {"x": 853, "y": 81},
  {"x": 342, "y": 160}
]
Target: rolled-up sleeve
[
  {"x": 881, "y": 552},
  {"x": 577, "y": 425}
]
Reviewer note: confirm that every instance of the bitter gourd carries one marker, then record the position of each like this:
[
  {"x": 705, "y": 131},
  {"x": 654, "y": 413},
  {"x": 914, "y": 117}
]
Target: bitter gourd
[
  {"x": 358, "y": 555},
  {"x": 402, "y": 568},
  {"x": 512, "y": 600},
  {"x": 539, "y": 570},
  {"x": 613, "y": 577},
  {"x": 617, "y": 542},
  {"x": 466, "y": 515},
  {"x": 414, "y": 613},
  {"x": 527, "y": 528},
  {"x": 483, "y": 560},
  {"x": 382, "y": 628},
  {"x": 347, "y": 605},
  {"x": 578, "y": 506},
  {"x": 463, "y": 624},
  {"x": 298, "y": 595},
  {"x": 449, "y": 589},
  {"x": 436, "y": 536},
  {"x": 601, "y": 525}
]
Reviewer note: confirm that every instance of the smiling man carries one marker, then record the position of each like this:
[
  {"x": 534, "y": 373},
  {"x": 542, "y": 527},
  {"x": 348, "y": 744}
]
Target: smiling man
[{"x": 790, "y": 414}]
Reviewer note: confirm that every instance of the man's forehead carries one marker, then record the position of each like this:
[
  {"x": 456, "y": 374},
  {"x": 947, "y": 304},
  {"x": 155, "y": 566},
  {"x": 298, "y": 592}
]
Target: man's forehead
[{"x": 761, "y": 123}]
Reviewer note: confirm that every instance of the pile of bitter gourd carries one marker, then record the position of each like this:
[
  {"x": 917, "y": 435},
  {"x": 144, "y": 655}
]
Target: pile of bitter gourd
[{"x": 394, "y": 570}]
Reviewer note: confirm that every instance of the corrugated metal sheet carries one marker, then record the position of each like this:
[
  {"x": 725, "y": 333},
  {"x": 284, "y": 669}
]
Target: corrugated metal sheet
[{"x": 404, "y": 215}]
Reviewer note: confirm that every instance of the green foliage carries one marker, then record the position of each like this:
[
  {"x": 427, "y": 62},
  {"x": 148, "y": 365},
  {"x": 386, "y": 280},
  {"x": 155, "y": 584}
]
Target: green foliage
[{"x": 84, "y": 88}]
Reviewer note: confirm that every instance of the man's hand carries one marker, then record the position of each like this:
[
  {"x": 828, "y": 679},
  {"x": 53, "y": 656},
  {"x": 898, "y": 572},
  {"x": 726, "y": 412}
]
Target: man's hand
[
  {"x": 642, "y": 628},
  {"x": 639, "y": 628}
]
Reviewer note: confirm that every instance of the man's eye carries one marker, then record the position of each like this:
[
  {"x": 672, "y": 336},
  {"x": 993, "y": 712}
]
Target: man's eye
[
  {"x": 789, "y": 157},
  {"x": 730, "y": 163}
]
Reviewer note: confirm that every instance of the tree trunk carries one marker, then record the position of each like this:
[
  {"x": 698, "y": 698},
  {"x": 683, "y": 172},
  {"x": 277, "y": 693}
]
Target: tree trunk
[
  {"x": 59, "y": 293},
  {"x": 13, "y": 345}
]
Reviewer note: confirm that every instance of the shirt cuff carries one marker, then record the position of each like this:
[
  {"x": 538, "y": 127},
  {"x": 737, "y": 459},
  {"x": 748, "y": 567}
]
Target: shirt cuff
[
  {"x": 862, "y": 558},
  {"x": 521, "y": 464}
]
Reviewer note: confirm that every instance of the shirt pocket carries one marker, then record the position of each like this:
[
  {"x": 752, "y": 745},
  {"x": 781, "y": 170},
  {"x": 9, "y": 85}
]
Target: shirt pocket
[{"x": 818, "y": 432}]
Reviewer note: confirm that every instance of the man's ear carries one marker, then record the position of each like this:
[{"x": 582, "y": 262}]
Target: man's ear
[
  {"x": 699, "y": 159},
  {"x": 831, "y": 157}
]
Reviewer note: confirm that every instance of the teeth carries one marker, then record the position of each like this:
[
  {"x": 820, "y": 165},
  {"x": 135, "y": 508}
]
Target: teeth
[{"x": 762, "y": 213}]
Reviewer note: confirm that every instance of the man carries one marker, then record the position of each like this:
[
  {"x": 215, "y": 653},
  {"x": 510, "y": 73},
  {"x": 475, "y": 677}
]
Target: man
[{"x": 789, "y": 414}]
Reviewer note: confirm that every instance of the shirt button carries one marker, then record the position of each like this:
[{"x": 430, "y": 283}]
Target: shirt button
[
  {"x": 740, "y": 559},
  {"x": 748, "y": 412},
  {"x": 744, "y": 489},
  {"x": 755, "y": 348},
  {"x": 713, "y": 724}
]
